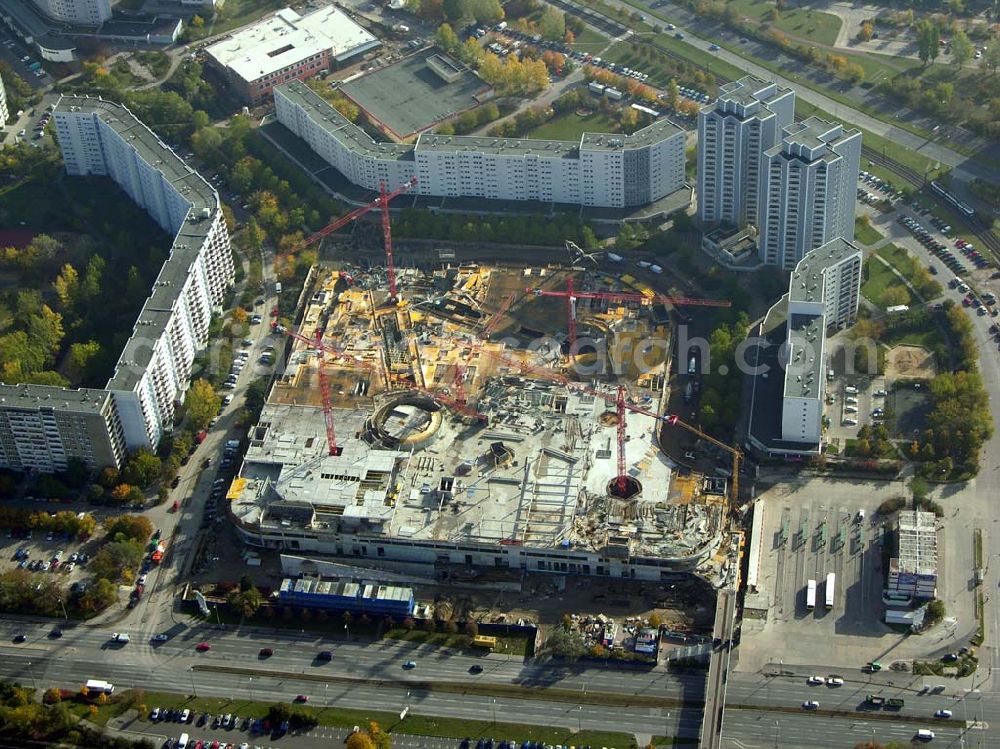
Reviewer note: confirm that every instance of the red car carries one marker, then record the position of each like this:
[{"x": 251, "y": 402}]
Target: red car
[
  {"x": 960, "y": 243},
  {"x": 301, "y": 698},
  {"x": 201, "y": 647}
]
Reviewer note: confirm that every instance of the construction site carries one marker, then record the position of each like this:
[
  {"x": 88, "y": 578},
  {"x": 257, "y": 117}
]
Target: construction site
[
  {"x": 482, "y": 416},
  {"x": 501, "y": 418}
]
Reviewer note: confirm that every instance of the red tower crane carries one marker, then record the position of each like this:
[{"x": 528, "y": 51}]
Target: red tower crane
[
  {"x": 495, "y": 318},
  {"x": 324, "y": 383},
  {"x": 620, "y": 405},
  {"x": 571, "y": 295},
  {"x": 381, "y": 202}
]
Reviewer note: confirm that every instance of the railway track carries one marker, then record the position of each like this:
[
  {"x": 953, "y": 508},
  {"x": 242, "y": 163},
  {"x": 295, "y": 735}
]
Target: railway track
[
  {"x": 988, "y": 239},
  {"x": 914, "y": 178}
]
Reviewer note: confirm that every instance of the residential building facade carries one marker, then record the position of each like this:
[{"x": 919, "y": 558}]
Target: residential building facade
[
  {"x": 4, "y": 113},
  {"x": 746, "y": 120},
  {"x": 42, "y": 428},
  {"x": 601, "y": 170},
  {"x": 152, "y": 374},
  {"x": 808, "y": 190}
]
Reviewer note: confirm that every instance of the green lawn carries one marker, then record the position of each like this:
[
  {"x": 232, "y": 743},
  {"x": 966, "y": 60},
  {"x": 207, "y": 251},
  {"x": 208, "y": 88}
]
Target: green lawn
[
  {"x": 880, "y": 280},
  {"x": 590, "y": 41},
  {"x": 801, "y": 22},
  {"x": 865, "y": 233},
  {"x": 415, "y": 724},
  {"x": 571, "y": 126}
]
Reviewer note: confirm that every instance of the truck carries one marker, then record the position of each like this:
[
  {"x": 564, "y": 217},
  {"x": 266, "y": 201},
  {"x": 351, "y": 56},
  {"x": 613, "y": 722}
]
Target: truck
[
  {"x": 615, "y": 258},
  {"x": 811, "y": 595},
  {"x": 831, "y": 583},
  {"x": 157, "y": 556},
  {"x": 96, "y": 686},
  {"x": 693, "y": 365},
  {"x": 656, "y": 269},
  {"x": 875, "y": 699},
  {"x": 896, "y": 703}
]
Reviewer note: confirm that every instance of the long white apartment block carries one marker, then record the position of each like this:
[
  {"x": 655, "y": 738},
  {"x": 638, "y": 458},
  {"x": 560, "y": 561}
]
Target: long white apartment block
[
  {"x": 746, "y": 120},
  {"x": 600, "y": 170},
  {"x": 824, "y": 291},
  {"x": 153, "y": 372},
  {"x": 808, "y": 194}
]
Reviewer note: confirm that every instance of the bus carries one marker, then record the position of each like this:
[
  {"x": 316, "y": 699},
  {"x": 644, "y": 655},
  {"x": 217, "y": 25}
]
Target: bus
[
  {"x": 811, "y": 595},
  {"x": 484, "y": 641},
  {"x": 831, "y": 583}
]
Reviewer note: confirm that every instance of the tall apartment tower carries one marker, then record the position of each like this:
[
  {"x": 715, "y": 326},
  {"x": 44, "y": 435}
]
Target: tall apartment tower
[
  {"x": 76, "y": 12},
  {"x": 733, "y": 133},
  {"x": 808, "y": 190},
  {"x": 4, "y": 113}
]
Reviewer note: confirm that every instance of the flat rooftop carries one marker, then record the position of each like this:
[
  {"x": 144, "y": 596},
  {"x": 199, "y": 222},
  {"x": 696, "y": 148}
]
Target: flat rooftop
[
  {"x": 917, "y": 543},
  {"x": 813, "y": 139},
  {"x": 287, "y": 38},
  {"x": 804, "y": 369},
  {"x": 806, "y": 282},
  {"x": 408, "y": 97},
  {"x": 33, "y": 397}
]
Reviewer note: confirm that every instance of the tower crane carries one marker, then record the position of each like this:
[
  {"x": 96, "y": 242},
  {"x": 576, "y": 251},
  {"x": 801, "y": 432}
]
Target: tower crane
[
  {"x": 571, "y": 295},
  {"x": 324, "y": 383},
  {"x": 735, "y": 452},
  {"x": 382, "y": 203},
  {"x": 490, "y": 325}
]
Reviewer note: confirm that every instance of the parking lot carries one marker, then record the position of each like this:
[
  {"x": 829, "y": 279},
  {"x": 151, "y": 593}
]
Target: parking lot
[
  {"x": 852, "y": 400},
  {"x": 45, "y": 553},
  {"x": 813, "y": 528}
]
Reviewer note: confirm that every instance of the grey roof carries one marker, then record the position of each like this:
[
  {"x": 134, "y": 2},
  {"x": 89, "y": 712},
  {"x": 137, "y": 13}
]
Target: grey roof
[
  {"x": 32, "y": 397},
  {"x": 805, "y": 356},
  {"x": 813, "y": 139},
  {"x": 204, "y": 201},
  {"x": 513, "y": 146},
  {"x": 747, "y": 97},
  {"x": 806, "y": 282}
]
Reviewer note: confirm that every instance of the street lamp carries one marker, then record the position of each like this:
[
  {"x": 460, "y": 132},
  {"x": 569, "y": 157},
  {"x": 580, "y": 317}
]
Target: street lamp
[
  {"x": 666, "y": 726},
  {"x": 494, "y": 711},
  {"x": 251, "y": 690},
  {"x": 31, "y": 673},
  {"x": 776, "y": 728}
]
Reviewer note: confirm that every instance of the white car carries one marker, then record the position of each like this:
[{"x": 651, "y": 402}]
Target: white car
[
  {"x": 810, "y": 704},
  {"x": 835, "y": 681},
  {"x": 160, "y": 637},
  {"x": 814, "y": 681},
  {"x": 942, "y": 714},
  {"x": 141, "y": 580}
]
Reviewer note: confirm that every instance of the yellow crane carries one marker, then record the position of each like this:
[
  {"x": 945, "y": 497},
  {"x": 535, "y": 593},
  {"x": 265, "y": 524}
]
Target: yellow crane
[{"x": 734, "y": 484}]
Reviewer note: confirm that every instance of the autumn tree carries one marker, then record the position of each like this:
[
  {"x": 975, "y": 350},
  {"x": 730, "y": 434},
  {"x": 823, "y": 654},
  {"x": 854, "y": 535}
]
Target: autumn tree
[{"x": 202, "y": 403}]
